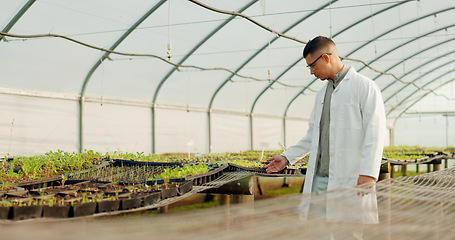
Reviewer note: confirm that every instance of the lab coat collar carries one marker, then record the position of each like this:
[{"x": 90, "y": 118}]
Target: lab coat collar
[{"x": 349, "y": 75}]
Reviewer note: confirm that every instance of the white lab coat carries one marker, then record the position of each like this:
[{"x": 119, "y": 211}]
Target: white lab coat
[{"x": 357, "y": 132}]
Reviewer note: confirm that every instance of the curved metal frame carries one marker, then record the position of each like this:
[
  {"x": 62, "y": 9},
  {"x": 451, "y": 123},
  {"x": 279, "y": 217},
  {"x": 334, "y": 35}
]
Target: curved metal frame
[
  {"x": 414, "y": 69},
  {"x": 16, "y": 17},
  {"x": 417, "y": 78},
  {"x": 248, "y": 61},
  {"x": 207, "y": 37},
  {"x": 426, "y": 84},
  {"x": 295, "y": 63},
  {"x": 210, "y": 109},
  {"x": 370, "y": 41},
  {"x": 421, "y": 97},
  {"x": 400, "y": 26},
  {"x": 404, "y": 44},
  {"x": 411, "y": 56},
  {"x": 423, "y": 64},
  {"x": 98, "y": 63},
  {"x": 262, "y": 92}
]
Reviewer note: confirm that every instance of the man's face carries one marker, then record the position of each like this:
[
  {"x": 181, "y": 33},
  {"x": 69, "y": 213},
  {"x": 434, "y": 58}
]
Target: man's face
[{"x": 318, "y": 65}]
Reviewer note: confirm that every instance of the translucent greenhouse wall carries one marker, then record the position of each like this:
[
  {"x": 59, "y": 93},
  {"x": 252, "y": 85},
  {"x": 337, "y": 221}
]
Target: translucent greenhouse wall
[
  {"x": 30, "y": 125},
  {"x": 41, "y": 124},
  {"x": 57, "y": 94},
  {"x": 424, "y": 130}
]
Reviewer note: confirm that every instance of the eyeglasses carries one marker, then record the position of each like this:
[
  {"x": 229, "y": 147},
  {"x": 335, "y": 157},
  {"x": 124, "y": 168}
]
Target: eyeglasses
[{"x": 310, "y": 66}]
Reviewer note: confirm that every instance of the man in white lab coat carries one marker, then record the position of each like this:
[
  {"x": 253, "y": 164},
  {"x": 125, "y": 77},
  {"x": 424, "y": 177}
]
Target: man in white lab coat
[{"x": 346, "y": 130}]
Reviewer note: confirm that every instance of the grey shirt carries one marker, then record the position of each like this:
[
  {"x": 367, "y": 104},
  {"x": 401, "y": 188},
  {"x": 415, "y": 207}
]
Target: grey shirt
[{"x": 323, "y": 156}]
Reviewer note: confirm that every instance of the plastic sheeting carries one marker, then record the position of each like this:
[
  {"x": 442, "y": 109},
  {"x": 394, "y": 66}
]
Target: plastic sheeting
[{"x": 142, "y": 103}]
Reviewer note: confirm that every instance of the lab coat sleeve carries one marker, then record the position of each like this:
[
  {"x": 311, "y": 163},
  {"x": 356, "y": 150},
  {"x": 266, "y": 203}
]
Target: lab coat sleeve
[
  {"x": 374, "y": 126},
  {"x": 298, "y": 151}
]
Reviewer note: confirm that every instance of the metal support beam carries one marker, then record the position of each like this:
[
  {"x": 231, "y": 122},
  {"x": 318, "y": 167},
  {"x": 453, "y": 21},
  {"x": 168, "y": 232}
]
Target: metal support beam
[
  {"x": 418, "y": 78},
  {"x": 379, "y": 36},
  {"x": 99, "y": 62},
  {"x": 262, "y": 92},
  {"x": 17, "y": 17},
  {"x": 420, "y": 98},
  {"x": 205, "y": 39},
  {"x": 404, "y": 44},
  {"x": 336, "y": 34},
  {"x": 419, "y": 67},
  {"x": 400, "y": 26},
  {"x": 410, "y": 95},
  {"x": 255, "y": 55},
  {"x": 284, "y": 131}
]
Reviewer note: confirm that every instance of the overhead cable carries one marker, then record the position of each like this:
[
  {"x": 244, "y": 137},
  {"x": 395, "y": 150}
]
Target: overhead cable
[
  {"x": 2, "y": 34},
  {"x": 304, "y": 42}
]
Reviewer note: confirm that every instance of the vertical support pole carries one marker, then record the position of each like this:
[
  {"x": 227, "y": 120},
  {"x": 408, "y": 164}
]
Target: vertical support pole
[
  {"x": 259, "y": 186},
  {"x": 284, "y": 130},
  {"x": 225, "y": 199},
  {"x": 153, "y": 129},
  {"x": 385, "y": 171},
  {"x": 251, "y": 131},
  {"x": 239, "y": 198},
  {"x": 81, "y": 124},
  {"x": 392, "y": 137},
  {"x": 437, "y": 166},
  {"x": 417, "y": 168},
  {"x": 447, "y": 130},
  {"x": 209, "y": 131},
  {"x": 429, "y": 168},
  {"x": 16, "y": 17},
  {"x": 164, "y": 209},
  {"x": 392, "y": 171},
  {"x": 404, "y": 170}
]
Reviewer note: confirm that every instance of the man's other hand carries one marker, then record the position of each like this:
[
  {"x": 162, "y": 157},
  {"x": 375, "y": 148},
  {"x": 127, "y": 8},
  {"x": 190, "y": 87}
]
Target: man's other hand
[
  {"x": 277, "y": 163},
  {"x": 365, "y": 179}
]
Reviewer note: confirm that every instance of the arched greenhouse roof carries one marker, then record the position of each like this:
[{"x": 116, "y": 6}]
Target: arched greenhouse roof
[{"x": 176, "y": 75}]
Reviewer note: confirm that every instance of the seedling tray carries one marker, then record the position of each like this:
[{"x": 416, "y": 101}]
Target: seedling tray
[
  {"x": 207, "y": 177},
  {"x": 56, "y": 211},
  {"x": 287, "y": 172},
  {"x": 122, "y": 162}
]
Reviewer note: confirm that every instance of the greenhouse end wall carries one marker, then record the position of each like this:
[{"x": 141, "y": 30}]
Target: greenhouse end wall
[{"x": 33, "y": 125}]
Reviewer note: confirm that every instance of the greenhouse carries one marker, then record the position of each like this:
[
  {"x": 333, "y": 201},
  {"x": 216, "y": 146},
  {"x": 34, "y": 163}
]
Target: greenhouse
[{"x": 134, "y": 108}]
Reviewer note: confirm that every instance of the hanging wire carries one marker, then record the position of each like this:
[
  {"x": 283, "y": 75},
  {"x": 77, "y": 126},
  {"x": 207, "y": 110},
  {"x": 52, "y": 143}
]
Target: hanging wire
[
  {"x": 169, "y": 43},
  {"x": 187, "y": 91},
  {"x": 330, "y": 13},
  {"x": 2, "y": 34},
  {"x": 269, "y": 72},
  {"x": 102, "y": 81},
  {"x": 372, "y": 29},
  {"x": 304, "y": 42},
  {"x": 153, "y": 56},
  {"x": 263, "y": 7}
]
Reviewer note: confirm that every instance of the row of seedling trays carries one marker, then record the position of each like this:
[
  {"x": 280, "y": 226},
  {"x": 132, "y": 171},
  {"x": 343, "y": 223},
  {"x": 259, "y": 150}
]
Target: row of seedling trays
[
  {"x": 83, "y": 197},
  {"x": 119, "y": 185}
]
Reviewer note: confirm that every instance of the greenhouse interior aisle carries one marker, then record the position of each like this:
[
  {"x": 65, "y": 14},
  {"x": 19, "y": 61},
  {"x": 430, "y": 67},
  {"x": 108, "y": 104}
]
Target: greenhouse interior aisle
[
  {"x": 114, "y": 112},
  {"x": 421, "y": 207}
]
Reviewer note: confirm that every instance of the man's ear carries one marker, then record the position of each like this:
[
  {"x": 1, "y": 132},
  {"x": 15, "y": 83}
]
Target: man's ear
[{"x": 326, "y": 58}]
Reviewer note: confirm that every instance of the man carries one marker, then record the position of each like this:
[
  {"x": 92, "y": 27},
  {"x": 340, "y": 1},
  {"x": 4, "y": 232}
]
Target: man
[{"x": 346, "y": 130}]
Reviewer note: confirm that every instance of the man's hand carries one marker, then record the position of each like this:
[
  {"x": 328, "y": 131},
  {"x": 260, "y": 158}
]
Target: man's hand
[
  {"x": 369, "y": 181},
  {"x": 277, "y": 164},
  {"x": 365, "y": 179}
]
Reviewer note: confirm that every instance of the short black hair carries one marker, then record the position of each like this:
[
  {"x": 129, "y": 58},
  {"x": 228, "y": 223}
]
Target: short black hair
[{"x": 316, "y": 44}]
